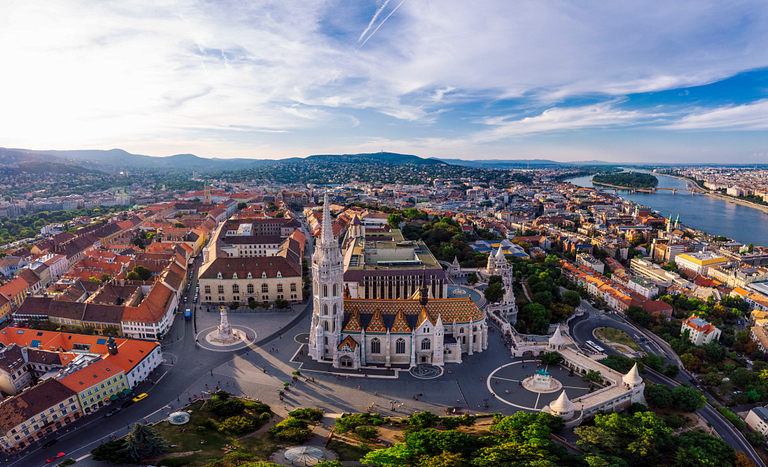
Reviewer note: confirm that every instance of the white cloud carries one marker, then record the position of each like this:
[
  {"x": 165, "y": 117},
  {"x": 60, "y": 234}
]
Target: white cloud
[{"x": 741, "y": 117}]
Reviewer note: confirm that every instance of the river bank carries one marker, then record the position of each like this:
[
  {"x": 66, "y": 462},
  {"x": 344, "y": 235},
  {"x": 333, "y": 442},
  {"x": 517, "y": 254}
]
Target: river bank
[{"x": 731, "y": 199}]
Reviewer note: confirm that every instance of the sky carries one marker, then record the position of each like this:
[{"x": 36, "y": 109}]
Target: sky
[{"x": 654, "y": 81}]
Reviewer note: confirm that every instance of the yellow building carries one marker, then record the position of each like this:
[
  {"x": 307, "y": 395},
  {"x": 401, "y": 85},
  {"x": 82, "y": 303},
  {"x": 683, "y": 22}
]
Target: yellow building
[
  {"x": 96, "y": 384},
  {"x": 699, "y": 262}
]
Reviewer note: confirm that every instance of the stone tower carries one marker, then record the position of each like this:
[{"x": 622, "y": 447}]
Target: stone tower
[
  {"x": 327, "y": 292},
  {"x": 207, "y": 193}
]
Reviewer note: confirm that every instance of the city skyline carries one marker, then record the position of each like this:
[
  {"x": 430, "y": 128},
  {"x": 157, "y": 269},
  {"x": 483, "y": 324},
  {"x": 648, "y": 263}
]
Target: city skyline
[{"x": 658, "y": 83}]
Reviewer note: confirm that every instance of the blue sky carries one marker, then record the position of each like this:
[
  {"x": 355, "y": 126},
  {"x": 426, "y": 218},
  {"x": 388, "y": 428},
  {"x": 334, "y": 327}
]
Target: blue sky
[{"x": 659, "y": 81}]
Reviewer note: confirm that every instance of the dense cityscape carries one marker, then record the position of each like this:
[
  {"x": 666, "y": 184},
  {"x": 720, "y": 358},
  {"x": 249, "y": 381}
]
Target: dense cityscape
[
  {"x": 422, "y": 305},
  {"x": 383, "y": 233}
]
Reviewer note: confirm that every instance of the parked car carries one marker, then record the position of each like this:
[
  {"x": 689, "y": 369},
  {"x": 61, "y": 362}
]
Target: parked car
[
  {"x": 112, "y": 412},
  {"x": 50, "y": 443},
  {"x": 57, "y": 456},
  {"x": 140, "y": 397},
  {"x": 127, "y": 404}
]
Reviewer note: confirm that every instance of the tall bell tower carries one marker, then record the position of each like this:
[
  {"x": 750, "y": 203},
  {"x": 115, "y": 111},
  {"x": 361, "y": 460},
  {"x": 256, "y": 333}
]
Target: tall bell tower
[{"x": 327, "y": 292}]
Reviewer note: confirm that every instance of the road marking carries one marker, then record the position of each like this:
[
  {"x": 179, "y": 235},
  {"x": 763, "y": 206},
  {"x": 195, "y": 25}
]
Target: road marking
[{"x": 83, "y": 457}]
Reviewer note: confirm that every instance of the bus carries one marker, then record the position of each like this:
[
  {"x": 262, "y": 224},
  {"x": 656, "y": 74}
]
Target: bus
[
  {"x": 594, "y": 347},
  {"x": 188, "y": 314}
]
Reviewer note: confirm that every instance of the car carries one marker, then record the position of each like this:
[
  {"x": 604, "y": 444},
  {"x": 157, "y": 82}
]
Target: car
[
  {"x": 112, "y": 412},
  {"x": 140, "y": 397},
  {"x": 185, "y": 299},
  {"x": 57, "y": 456},
  {"x": 127, "y": 404},
  {"x": 50, "y": 443}
]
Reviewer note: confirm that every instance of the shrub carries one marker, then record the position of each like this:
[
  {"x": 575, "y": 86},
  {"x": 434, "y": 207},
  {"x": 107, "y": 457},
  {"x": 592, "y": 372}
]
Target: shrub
[
  {"x": 237, "y": 425},
  {"x": 422, "y": 420},
  {"x": 551, "y": 358},
  {"x": 68, "y": 462},
  {"x": 265, "y": 416},
  {"x": 733, "y": 418},
  {"x": 201, "y": 428},
  {"x": 351, "y": 421},
  {"x": 257, "y": 407},
  {"x": 291, "y": 429},
  {"x": 367, "y": 432},
  {"x": 112, "y": 452},
  {"x": 450, "y": 423},
  {"x": 675, "y": 421},
  {"x": 227, "y": 408},
  {"x": 314, "y": 415}
]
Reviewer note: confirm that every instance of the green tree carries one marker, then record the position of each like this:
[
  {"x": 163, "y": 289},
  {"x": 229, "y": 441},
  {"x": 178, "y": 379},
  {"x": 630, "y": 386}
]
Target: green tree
[
  {"x": 592, "y": 376},
  {"x": 281, "y": 303},
  {"x": 672, "y": 370},
  {"x": 394, "y": 220},
  {"x": 396, "y": 456},
  {"x": 688, "y": 399},
  {"x": 472, "y": 279},
  {"x": 637, "y": 438},
  {"x": 551, "y": 358},
  {"x": 444, "y": 459},
  {"x": 696, "y": 449},
  {"x": 494, "y": 292},
  {"x": 513, "y": 453},
  {"x": 143, "y": 272},
  {"x": 143, "y": 442},
  {"x": 714, "y": 352},
  {"x": 658, "y": 396},
  {"x": 133, "y": 276},
  {"x": 571, "y": 298},
  {"x": 755, "y": 438},
  {"x": 422, "y": 420}
]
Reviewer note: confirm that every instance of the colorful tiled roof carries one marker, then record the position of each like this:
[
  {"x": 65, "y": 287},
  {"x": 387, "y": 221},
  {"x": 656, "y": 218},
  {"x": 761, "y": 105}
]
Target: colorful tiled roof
[
  {"x": 400, "y": 325},
  {"x": 461, "y": 310},
  {"x": 377, "y": 323},
  {"x": 353, "y": 325},
  {"x": 349, "y": 343}
]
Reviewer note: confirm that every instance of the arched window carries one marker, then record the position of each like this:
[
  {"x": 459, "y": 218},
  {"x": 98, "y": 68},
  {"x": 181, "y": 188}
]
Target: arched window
[
  {"x": 325, "y": 325},
  {"x": 325, "y": 290},
  {"x": 325, "y": 310},
  {"x": 250, "y": 288},
  {"x": 334, "y": 290},
  {"x": 461, "y": 331},
  {"x": 335, "y": 309},
  {"x": 400, "y": 346},
  {"x": 235, "y": 288},
  {"x": 426, "y": 344},
  {"x": 375, "y": 345}
]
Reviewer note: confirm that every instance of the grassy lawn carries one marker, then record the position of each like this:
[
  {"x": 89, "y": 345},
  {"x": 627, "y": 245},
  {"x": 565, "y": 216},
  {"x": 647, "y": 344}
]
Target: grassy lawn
[
  {"x": 350, "y": 452},
  {"x": 189, "y": 440},
  {"x": 616, "y": 336}
]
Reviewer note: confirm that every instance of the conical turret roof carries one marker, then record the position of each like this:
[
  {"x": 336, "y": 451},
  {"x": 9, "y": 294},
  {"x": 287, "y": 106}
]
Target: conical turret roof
[
  {"x": 557, "y": 339},
  {"x": 562, "y": 404},
  {"x": 632, "y": 378},
  {"x": 500, "y": 254}
]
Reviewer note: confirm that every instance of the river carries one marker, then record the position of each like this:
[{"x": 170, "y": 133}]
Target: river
[{"x": 712, "y": 215}]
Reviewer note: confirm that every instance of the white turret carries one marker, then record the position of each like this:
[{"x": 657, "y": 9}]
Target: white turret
[
  {"x": 633, "y": 378},
  {"x": 557, "y": 341},
  {"x": 562, "y": 407}
]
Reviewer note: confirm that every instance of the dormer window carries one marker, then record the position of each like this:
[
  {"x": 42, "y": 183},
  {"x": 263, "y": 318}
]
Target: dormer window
[
  {"x": 250, "y": 276},
  {"x": 234, "y": 275},
  {"x": 263, "y": 275},
  {"x": 278, "y": 274},
  {"x": 218, "y": 276}
]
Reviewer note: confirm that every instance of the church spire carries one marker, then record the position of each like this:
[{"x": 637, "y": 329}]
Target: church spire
[{"x": 326, "y": 235}]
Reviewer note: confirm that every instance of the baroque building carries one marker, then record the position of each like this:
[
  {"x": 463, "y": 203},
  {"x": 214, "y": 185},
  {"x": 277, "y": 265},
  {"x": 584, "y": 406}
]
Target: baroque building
[{"x": 406, "y": 327}]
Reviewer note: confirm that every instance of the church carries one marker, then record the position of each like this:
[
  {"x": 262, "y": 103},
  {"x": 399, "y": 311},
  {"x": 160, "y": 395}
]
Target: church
[{"x": 403, "y": 332}]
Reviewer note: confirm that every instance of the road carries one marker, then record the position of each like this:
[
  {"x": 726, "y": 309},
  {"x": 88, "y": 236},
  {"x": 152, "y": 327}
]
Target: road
[{"x": 581, "y": 331}]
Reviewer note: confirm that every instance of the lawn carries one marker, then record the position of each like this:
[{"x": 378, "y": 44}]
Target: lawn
[
  {"x": 187, "y": 438},
  {"x": 616, "y": 336}
]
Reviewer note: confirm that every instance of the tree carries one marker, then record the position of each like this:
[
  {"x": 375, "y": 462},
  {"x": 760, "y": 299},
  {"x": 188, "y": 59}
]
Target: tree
[
  {"x": 638, "y": 315},
  {"x": 133, "y": 276},
  {"x": 281, "y": 303},
  {"x": 638, "y": 438},
  {"x": 105, "y": 277},
  {"x": 241, "y": 205},
  {"x": 396, "y": 456},
  {"x": 394, "y": 220},
  {"x": 755, "y": 438},
  {"x": 658, "y": 396},
  {"x": 571, "y": 298},
  {"x": 742, "y": 460},
  {"x": 551, "y": 358},
  {"x": 143, "y": 442},
  {"x": 696, "y": 448},
  {"x": 494, "y": 292},
  {"x": 444, "y": 459},
  {"x": 472, "y": 279},
  {"x": 714, "y": 352},
  {"x": 672, "y": 371},
  {"x": 592, "y": 376},
  {"x": 688, "y": 399},
  {"x": 423, "y": 420},
  {"x": 143, "y": 272}
]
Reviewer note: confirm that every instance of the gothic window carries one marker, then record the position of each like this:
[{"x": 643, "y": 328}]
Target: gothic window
[
  {"x": 325, "y": 290},
  {"x": 325, "y": 340},
  {"x": 461, "y": 331},
  {"x": 400, "y": 346},
  {"x": 250, "y": 288},
  {"x": 375, "y": 346},
  {"x": 235, "y": 288},
  {"x": 325, "y": 325},
  {"x": 334, "y": 290},
  {"x": 221, "y": 289},
  {"x": 426, "y": 344},
  {"x": 264, "y": 288},
  {"x": 334, "y": 309},
  {"x": 325, "y": 310}
]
